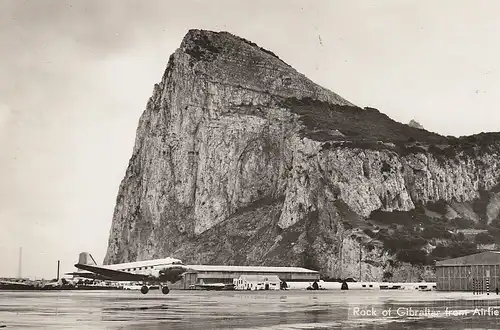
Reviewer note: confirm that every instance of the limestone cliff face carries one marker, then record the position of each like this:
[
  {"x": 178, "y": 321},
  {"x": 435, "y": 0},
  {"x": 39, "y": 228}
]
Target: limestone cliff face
[{"x": 229, "y": 168}]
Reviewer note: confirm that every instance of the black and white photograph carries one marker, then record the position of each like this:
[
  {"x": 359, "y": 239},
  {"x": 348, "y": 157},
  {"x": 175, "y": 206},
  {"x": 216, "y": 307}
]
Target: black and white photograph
[{"x": 249, "y": 164}]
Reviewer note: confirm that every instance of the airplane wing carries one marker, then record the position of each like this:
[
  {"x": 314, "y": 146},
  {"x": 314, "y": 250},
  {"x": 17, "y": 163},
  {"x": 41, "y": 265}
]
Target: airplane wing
[
  {"x": 89, "y": 275},
  {"x": 116, "y": 275},
  {"x": 211, "y": 286},
  {"x": 14, "y": 283}
]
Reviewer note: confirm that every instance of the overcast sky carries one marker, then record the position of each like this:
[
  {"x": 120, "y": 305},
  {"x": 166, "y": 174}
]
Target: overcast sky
[{"x": 76, "y": 75}]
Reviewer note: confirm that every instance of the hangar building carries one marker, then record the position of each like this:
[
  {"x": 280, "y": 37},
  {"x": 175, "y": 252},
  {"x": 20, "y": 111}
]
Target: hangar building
[
  {"x": 212, "y": 274},
  {"x": 461, "y": 274}
]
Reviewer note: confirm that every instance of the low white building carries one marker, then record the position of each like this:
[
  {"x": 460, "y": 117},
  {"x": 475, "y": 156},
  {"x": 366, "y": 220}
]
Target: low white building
[{"x": 257, "y": 282}]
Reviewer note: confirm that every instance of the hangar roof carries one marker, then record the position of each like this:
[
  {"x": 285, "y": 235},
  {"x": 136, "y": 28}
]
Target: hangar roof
[
  {"x": 482, "y": 258},
  {"x": 250, "y": 269},
  {"x": 260, "y": 278}
]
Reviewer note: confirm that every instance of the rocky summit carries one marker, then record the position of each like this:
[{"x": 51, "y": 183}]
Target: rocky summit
[{"x": 241, "y": 160}]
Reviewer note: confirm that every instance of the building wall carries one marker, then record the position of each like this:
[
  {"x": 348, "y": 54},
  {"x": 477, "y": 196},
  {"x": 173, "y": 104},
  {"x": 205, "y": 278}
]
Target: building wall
[
  {"x": 462, "y": 277},
  {"x": 242, "y": 284}
]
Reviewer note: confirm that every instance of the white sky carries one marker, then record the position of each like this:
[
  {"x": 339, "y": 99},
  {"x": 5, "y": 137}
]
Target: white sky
[{"x": 76, "y": 75}]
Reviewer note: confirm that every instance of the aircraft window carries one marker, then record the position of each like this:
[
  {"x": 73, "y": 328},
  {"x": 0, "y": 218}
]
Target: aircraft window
[
  {"x": 364, "y": 285},
  {"x": 371, "y": 285}
]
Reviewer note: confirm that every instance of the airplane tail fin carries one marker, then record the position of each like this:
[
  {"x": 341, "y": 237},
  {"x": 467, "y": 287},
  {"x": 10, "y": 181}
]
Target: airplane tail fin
[{"x": 86, "y": 258}]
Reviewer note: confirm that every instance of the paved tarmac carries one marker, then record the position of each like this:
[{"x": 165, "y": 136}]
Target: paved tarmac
[{"x": 248, "y": 310}]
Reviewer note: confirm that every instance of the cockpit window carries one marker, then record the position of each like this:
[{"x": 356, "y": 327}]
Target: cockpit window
[{"x": 177, "y": 262}]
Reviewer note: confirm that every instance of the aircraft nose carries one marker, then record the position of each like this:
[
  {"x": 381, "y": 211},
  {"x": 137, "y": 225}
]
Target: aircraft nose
[{"x": 177, "y": 269}]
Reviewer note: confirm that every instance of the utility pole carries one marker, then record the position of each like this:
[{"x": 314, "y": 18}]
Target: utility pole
[
  {"x": 341, "y": 258},
  {"x": 360, "y": 262},
  {"x": 19, "y": 271},
  {"x": 58, "y": 265}
]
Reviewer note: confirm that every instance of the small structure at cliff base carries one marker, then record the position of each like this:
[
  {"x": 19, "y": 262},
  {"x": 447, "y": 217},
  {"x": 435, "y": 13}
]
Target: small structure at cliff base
[{"x": 257, "y": 282}]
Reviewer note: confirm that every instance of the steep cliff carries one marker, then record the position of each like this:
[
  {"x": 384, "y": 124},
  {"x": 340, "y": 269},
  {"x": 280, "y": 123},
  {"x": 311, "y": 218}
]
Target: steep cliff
[{"x": 240, "y": 159}]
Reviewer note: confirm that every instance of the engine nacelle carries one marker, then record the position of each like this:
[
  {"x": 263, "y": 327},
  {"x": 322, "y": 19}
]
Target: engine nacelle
[{"x": 170, "y": 273}]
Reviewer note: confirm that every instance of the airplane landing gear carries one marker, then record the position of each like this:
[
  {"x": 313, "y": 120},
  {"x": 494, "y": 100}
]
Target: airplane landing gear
[
  {"x": 165, "y": 289},
  {"x": 144, "y": 289}
]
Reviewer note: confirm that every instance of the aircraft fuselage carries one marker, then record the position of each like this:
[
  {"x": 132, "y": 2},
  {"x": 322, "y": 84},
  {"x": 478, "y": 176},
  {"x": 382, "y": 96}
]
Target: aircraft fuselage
[{"x": 156, "y": 271}]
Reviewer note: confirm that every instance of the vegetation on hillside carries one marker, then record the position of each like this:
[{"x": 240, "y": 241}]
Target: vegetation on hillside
[
  {"x": 355, "y": 123},
  {"x": 202, "y": 48},
  {"x": 417, "y": 238},
  {"x": 367, "y": 128}
]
